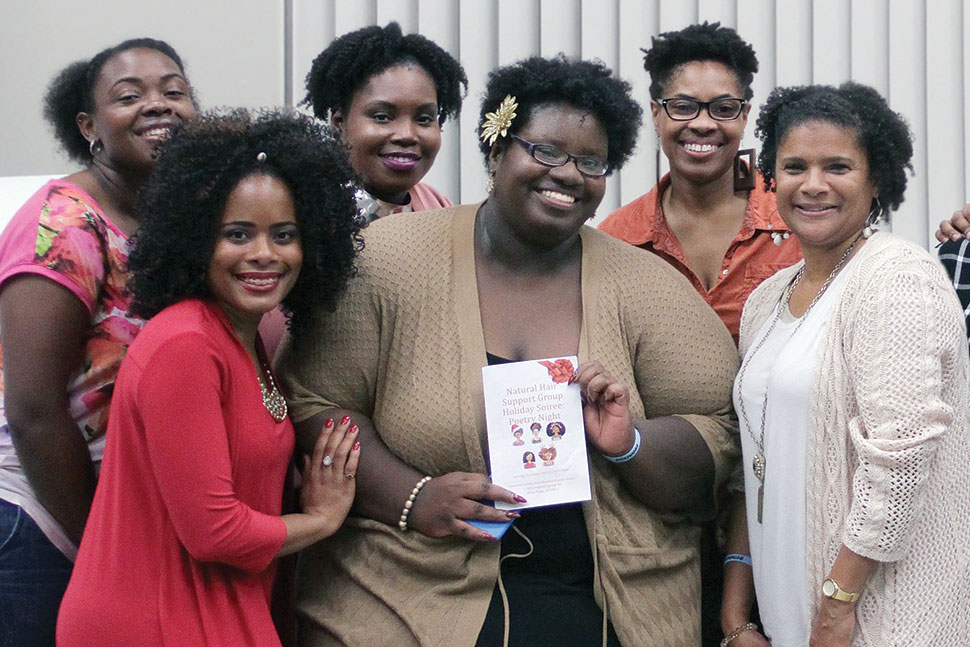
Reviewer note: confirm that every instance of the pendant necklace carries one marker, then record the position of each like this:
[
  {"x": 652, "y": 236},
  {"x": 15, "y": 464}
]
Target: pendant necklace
[
  {"x": 273, "y": 400},
  {"x": 758, "y": 463}
]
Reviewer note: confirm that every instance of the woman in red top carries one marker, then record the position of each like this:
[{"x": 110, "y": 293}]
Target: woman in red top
[{"x": 243, "y": 214}]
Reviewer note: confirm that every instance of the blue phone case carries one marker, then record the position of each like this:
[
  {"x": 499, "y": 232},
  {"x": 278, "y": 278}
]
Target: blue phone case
[{"x": 495, "y": 528}]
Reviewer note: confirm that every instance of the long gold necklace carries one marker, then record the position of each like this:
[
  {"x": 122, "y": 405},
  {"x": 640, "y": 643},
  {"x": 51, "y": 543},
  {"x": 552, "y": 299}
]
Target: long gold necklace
[
  {"x": 273, "y": 400},
  {"x": 758, "y": 463}
]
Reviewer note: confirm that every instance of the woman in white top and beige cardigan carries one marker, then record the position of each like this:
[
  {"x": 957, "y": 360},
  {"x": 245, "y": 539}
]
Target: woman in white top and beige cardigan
[{"x": 853, "y": 401}]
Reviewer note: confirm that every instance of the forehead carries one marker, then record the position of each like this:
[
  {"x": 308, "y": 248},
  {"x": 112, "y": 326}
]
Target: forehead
[
  {"x": 818, "y": 138},
  {"x": 574, "y": 129},
  {"x": 260, "y": 198},
  {"x": 702, "y": 80},
  {"x": 399, "y": 84},
  {"x": 140, "y": 62}
]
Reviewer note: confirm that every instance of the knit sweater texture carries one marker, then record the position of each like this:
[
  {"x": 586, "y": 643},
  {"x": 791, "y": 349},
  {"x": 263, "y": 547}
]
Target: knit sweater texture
[
  {"x": 889, "y": 444},
  {"x": 406, "y": 347}
]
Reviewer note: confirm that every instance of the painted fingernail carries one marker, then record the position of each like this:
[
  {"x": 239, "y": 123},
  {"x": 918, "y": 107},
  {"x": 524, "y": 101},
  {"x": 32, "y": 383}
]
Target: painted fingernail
[
  {"x": 329, "y": 424},
  {"x": 488, "y": 537},
  {"x": 356, "y": 445},
  {"x": 519, "y": 498},
  {"x": 353, "y": 429},
  {"x": 345, "y": 420},
  {"x": 511, "y": 514}
]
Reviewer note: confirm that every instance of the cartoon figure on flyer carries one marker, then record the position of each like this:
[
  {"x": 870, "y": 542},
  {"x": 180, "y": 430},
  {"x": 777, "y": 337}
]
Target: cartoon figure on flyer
[
  {"x": 528, "y": 460},
  {"x": 555, "y": 430},
  {"x": 536, "y": 428},
  {"x": 517, "y": 432},
  {"x": 548, "y": 455}
]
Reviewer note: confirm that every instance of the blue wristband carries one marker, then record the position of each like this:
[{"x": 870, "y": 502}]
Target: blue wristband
[
  {"x": 737, "y": 557},
  {"x": 630, "y": 454}
]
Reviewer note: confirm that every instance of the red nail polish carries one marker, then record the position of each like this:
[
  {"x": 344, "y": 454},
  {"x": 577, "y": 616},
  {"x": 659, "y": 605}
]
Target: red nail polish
[
  {"x": 329, "y": 424},
  {"x": 345, "y": 420},
  {"x": 519, "y": 498},
  {"x": 356, "y": 445},
  {"x": 488, "y": 537},
  {"x": 353, "y": 429}
]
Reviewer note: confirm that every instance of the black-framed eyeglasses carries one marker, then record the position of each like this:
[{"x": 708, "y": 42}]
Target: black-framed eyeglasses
[
  {"x": 683, "y": 109},
  {"x": 549, "y": 155}
]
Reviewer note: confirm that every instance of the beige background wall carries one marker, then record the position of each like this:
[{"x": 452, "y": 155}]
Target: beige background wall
[{"x": 257, "y": 52}]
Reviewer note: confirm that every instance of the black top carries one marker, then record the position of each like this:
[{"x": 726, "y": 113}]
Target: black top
[{"x": 550, "y": 591}]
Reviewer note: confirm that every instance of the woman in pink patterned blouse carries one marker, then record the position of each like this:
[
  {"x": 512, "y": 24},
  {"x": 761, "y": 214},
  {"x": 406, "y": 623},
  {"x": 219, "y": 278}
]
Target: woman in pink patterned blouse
[{"x": 64, "y": 326}]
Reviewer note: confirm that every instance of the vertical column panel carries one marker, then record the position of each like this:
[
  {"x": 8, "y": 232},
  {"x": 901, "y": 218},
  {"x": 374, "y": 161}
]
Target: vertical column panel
[
  {"x": 907, "y": 94},
  {"x": 559, "y": 27},
  {"x": 478, "y": 43},
  {"x": 793, "y": 36},
  {"x": 639, "y": 20},
  {"x": 313, "y": 29},
  {"x": 869, "y": 34},
  {"x": 518, "y": 30},
  {"x": 600, "y": 21},
  {"x": 350, "y": 15},
  {"x": 756, "y": 25},
  {"x": 438, "y": 20},
  {"x": 722, "y": 11},
  {"x": 945, "y": 122},
  {"x": 677, "y": 14},
  {"x": 404, "y": 12},
  {"x": 831, "y": 50}
]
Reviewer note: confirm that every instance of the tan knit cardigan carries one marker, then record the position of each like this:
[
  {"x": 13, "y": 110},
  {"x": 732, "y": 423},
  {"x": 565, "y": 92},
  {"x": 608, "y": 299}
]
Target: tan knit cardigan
[
  {"x": 406, "y": 347},
  {"x": 888, "y": 466}
]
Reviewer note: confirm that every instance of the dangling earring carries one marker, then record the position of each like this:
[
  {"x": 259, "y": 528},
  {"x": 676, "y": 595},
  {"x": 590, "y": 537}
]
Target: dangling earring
[
  {"x": 657, "y": 159},
  {"x": 490, "y": 184},
  {"x": 744, "y": 172},
  {"x": 875, "y": 214},
  {"x": 94, "y": 146}
]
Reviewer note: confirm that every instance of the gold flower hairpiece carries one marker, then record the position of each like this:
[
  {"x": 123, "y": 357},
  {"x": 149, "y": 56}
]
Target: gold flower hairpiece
[{"x": 497, "y": 123}]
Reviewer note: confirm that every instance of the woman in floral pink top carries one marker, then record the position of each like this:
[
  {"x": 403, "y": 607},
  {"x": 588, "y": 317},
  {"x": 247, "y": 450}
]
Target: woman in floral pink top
[{"x": 64, "y": 326}]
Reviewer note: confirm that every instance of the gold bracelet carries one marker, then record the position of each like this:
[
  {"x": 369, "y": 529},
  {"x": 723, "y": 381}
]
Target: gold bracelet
[
  {"x": 737, "y": 632},
  {"x": 403, "y": 523}
]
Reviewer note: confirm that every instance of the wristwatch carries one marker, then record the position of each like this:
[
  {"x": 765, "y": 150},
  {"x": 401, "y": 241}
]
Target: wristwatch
[{"x": 831, "y": 589}]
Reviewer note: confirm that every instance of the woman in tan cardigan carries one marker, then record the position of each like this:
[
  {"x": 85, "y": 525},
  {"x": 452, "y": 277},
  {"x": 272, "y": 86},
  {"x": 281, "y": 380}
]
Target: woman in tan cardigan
[{"x": 441, "y": 294}]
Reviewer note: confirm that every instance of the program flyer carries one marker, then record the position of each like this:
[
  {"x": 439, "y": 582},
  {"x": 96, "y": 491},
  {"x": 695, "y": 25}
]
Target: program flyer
[{"x": 536, "y": 437}]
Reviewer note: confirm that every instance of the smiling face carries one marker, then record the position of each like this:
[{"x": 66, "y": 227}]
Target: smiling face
[
  {"x": 823, "y": 184},
  {"x": 392, "y": 130},
  {"x": 546, "y": 205},
  {"x": 701, "y": 150},
  {"x": 139, "y": 98},
  {"x": 257, "y": 254}
]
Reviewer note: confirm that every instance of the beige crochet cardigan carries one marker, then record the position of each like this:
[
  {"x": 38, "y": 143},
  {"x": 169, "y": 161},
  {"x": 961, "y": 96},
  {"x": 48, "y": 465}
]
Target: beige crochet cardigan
[
  {"x": 889, "y": 443},
  {"x": 406, "y": 347}
]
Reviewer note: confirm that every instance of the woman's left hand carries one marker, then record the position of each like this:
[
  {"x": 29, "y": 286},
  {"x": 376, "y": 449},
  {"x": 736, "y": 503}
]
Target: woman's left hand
[
  {"x": 606, "y": 409},
  {"x": 833, "y": 624}
]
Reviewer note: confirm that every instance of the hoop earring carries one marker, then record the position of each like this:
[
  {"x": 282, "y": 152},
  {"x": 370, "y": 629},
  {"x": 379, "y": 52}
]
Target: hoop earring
[
  {"x": 95, "y": 147},
  {"x": 875, "y": 215},
  {"x": 744, "y": 172}
]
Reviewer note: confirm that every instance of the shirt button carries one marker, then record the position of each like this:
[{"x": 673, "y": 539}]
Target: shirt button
[{"x": 724, "y": 272}]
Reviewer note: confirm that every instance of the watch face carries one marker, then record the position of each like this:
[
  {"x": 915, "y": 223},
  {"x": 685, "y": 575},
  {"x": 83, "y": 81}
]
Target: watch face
[{"x": 828, "y": 588}]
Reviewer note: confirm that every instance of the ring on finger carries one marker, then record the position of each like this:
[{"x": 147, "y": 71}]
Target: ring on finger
[
  {"x": 349, "y": 476},
  {"x": 327, "y": 460}
]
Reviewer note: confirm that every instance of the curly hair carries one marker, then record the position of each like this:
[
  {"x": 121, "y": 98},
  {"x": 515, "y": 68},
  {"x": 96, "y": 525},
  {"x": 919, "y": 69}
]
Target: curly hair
[
  {"x": 588, "y": 85},
  {"x": 703, "y": 42},
  {"x": 349, "y": 62},
  {"x": 71, "y": 91},
  {"x": 882, "y": 133},
  {"x": 181, "y": 205}
]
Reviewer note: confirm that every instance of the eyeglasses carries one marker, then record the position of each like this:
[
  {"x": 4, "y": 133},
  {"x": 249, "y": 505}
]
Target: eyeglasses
[
  {"x": 549, "y": 155},
  {"x": 726, "y": 109}
]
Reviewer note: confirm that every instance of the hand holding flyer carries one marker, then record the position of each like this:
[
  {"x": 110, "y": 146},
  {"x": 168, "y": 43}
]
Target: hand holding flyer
[{"x": 548, "y": 464}]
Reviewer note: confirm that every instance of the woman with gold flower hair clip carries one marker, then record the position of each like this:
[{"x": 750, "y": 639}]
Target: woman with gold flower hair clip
[{"x": 444, "y": 293}]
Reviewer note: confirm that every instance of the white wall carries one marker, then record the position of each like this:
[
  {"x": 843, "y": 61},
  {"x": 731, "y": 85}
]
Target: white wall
[{"x": 257, "y": 53}]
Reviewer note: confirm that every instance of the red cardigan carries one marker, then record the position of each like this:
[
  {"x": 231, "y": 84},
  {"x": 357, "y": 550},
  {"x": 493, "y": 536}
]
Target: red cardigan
[{"x": 179, "y": 548}]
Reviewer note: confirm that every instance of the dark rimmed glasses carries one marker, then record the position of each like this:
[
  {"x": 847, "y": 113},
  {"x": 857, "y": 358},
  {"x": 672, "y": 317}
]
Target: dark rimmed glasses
[
  {"x": 549, "y": 155},
  {"x": 683, "y": 109}
]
